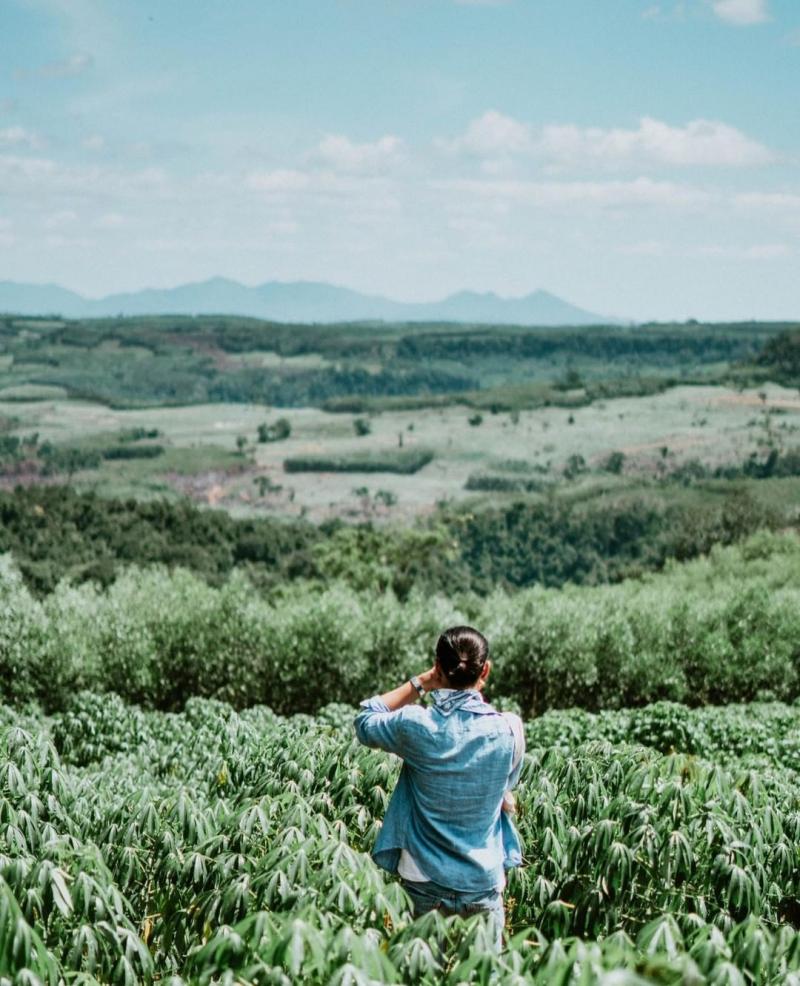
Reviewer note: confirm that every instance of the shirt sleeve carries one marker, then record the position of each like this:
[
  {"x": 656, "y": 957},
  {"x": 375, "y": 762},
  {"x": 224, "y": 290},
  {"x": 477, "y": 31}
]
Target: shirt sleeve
[
  {"x": 380, "y": 728},
  {"x": 518, "y": 730}
]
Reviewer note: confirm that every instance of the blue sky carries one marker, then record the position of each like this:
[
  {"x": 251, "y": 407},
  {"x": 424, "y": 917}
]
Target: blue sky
[{"x": 638, "y": 158}]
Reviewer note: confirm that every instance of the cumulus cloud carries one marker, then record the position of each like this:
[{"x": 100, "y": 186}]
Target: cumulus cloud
[
  {"x": 342, "y": 154},
  {"x": 741, "y": 12},
  {"x": 701, "y": 142},
  {"x": 492, "y": 135}
]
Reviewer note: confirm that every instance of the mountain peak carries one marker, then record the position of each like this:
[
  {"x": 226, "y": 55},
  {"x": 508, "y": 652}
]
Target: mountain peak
[{"x": 295, "y": 301}]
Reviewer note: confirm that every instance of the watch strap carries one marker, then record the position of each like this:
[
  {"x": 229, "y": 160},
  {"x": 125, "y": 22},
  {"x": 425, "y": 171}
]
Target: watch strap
[{"x": 417, "y": 685}]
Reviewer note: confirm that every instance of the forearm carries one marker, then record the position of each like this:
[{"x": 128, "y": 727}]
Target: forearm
[{"x": 406, "y": 694}]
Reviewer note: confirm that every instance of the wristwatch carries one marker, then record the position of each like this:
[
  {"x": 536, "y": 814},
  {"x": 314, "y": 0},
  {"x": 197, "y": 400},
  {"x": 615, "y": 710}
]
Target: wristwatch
[{"x": 418, "y": 686}]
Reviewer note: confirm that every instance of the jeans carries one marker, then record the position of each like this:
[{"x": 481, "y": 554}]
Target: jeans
[{"x": 431, "y": 896}]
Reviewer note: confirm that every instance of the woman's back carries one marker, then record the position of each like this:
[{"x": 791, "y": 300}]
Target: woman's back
[{"x": 459, "y": 755}]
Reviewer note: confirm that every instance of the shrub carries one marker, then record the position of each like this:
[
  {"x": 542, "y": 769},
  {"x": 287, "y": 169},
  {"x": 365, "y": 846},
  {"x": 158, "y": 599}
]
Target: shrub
[
  {"x": 278, "y": 431},
  {"x": 405, "y": 461}
]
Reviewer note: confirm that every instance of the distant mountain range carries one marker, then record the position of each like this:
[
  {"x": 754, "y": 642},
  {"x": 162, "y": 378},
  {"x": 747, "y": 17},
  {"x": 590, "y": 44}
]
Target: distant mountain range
[{"x": 296, "y": 301}]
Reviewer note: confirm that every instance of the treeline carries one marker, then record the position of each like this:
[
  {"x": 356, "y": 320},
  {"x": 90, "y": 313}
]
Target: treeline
[
  {"x": 54, "y": 533},
  {"x": 704, "y": 345},
  {"x": 724, "y": 629},
  {"x": 781, "y": 356},
  {"x": 556, "y": 541},
  {"x": 299, "y": 388}
]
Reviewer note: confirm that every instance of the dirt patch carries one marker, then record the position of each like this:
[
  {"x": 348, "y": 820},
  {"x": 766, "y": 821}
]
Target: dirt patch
[
  {"x": 753, "y": 400},
  {"x": 675, "y": 443},
  {"x": 209, "y": 487}
]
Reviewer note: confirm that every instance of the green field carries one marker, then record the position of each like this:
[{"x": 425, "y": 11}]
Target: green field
[
  {"x": 210, "y": 847},
  {"x": 181, "y": 840},
  {"x": 715, "y": 425}
]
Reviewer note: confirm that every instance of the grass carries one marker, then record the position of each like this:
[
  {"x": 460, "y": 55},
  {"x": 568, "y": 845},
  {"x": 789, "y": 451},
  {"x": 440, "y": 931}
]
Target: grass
[{"x": 32, "y": 392}]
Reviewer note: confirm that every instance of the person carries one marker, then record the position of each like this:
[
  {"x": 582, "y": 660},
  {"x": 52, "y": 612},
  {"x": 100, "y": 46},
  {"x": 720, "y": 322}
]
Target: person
[{"x": 448, "y": 832}]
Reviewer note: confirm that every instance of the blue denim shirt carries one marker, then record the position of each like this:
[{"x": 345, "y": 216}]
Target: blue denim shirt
[{"x": 446, "y": 809}]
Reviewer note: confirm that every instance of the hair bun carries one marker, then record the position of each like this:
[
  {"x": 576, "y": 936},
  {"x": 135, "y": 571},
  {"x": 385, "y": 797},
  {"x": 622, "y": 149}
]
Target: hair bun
[{"x": 461, "y": 653}]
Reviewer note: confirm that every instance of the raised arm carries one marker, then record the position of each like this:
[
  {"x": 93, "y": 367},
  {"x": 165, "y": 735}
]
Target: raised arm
[{"x": 378, "y": 723}]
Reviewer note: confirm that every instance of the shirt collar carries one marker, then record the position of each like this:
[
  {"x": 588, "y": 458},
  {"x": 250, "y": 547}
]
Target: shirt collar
[{"x": 447, "y": 700}]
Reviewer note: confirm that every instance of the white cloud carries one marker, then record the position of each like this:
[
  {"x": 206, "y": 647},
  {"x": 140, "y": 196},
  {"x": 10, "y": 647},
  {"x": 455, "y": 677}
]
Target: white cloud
[
  {"x": 19, "y": 137},
  {"x": 280, "y": 180},
  {"x": 768, "y": 251},
  {"x": 39, "y": 177},
  {"x": 492, "y": 135},
  {"x": 741, "y": 12},
  {"x": 495, "y": 136},
  {"x": 603, "y": 194},
  {"x": 769, "y": 201},
  {"x": 341, "y": 154},
  {"x": 700, "y": 142}
]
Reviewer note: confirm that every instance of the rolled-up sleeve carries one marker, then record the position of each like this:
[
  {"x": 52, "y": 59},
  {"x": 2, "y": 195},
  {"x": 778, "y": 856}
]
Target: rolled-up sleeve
[{"x": 378, "y": 727}]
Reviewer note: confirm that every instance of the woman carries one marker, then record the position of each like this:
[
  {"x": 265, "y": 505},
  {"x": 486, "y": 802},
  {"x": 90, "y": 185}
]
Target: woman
[{"x": 447, "y": 831}]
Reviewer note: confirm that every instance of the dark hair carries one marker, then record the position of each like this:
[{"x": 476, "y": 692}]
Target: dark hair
[{"x": 461, "y": 653}]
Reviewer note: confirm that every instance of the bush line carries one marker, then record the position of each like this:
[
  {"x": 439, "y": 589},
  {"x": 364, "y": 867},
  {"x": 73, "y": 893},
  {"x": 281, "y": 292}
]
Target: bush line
[{"x": 718, "y": 630}]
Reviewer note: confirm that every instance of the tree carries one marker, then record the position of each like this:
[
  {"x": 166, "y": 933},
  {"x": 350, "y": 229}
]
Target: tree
[
  {"x": 614, "y": 463},
  {"x": 275, "y": 432}
]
